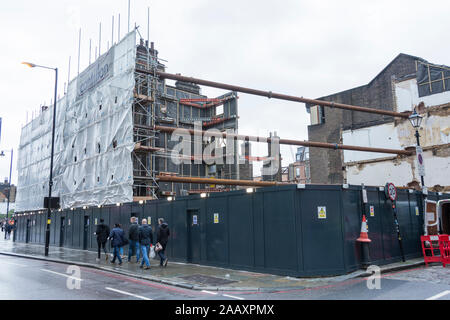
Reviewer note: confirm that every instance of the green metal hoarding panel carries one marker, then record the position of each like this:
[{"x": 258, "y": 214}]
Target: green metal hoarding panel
[
  {"x": 279, "y": 231},
  {"x": 322, "y": 236},
  {"x": 239, "y": 223},
  {"x": 218, "y": 233}
]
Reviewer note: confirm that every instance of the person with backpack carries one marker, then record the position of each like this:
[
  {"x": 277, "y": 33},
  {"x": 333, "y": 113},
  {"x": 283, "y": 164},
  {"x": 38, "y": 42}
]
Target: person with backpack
[
  {"x": 102, "y": 233},
  {"x": 145, "y": 241},
  {"x": 133, "y": 236},
  {"x": 117, "y": 237},
  {"x": 162, "y": 237}
]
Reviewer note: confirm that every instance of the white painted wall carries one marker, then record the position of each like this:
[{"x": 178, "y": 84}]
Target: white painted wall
[
  {"x": 382, "y": 136},
  {"x": 401, "y": 172},
  {"x": 435, "y": 130},
  {"x": 377, "y": 174},
  {"x": 407, "y": 95}
]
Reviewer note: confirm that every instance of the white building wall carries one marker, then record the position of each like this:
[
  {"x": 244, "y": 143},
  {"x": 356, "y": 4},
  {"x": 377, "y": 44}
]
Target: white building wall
[
  {"x": 407, "y": 95},
  {"x": 363, "y": 167}
]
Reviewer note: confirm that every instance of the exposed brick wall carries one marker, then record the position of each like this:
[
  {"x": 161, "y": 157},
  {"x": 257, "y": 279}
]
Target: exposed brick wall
[{"x": 326, "y": 164}]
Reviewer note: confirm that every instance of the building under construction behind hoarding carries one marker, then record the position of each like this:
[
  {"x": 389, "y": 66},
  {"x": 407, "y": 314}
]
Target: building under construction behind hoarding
[{"x": 106, "y": 147}]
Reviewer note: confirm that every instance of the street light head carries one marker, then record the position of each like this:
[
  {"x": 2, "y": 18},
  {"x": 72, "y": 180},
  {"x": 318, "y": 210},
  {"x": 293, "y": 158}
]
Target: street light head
[
  {"x": 415, "y": 119},
  {"x": 29, "y": 64}
]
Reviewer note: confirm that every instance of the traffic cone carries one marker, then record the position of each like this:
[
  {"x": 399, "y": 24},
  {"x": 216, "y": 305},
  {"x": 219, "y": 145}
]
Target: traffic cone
[{"x": 363, "y": 236}]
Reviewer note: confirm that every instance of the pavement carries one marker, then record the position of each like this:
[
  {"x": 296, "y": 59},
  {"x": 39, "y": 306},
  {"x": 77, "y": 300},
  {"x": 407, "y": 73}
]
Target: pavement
[{"x": 189, "y": 276}]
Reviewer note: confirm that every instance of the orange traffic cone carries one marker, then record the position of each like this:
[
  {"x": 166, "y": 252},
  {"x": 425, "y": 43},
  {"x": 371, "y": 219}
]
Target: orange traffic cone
[{"x": 363, "y": 236}]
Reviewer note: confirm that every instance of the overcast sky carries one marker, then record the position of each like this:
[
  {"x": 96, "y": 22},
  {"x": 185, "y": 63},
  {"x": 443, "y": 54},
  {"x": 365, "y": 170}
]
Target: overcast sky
[{"x": 305, "y": 48}]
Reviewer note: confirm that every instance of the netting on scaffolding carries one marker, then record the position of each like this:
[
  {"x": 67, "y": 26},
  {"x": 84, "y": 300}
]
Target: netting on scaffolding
[{"x": 93, "y": 138}]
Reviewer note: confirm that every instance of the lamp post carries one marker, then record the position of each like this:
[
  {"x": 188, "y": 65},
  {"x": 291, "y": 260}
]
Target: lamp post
[
  {"x": 50, "y": 182},
  {"x": 2, "y": 154},
  {"x": 416, "y": 120}
]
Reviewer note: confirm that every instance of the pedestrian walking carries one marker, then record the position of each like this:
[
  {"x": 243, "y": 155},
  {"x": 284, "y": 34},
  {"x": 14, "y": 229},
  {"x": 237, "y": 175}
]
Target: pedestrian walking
[
  {"x": 162, "y": 237},
  {"x": 102, "y": 233},
  {"x": 145, "y": 241},
  {"x": 133, "y": 236},
  {"x": 117, "y": 237},
  {"x": 123, "y": 244},
  {"x": 8, "y": 231}
]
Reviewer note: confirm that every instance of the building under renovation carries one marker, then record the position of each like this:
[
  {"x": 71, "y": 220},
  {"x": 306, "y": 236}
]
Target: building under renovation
[
  {"x": 116, "y": 130},
  {"x": 405, "y": 84},
  {"x": 107, "y": 149}
]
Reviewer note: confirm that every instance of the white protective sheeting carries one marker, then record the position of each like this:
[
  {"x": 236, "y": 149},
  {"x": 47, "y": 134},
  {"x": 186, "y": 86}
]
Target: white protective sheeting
[{"x": 93, "y": 138}]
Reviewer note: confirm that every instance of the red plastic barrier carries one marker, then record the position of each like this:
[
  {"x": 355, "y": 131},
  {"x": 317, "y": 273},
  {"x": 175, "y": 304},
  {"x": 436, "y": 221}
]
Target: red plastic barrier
[
  {"x": 431, "y": 249},
  {"x": 444, "y": 247}
]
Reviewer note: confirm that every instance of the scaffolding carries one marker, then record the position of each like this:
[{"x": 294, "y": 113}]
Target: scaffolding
[{"x": 155, "y": 104}]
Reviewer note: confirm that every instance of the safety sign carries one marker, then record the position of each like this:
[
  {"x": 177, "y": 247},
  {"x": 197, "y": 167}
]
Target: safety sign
[
  {"x": 322, "y": 212},
  {"x": 372, "y": 211},
  {"x": 216, "y": 218},
  {"x": 194, "y": 219},
  {"x": 417, "y": 211}
]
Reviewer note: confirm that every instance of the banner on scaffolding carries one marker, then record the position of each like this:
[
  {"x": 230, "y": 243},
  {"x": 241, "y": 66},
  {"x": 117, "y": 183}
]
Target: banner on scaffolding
[{"x": 93, "y": 138}]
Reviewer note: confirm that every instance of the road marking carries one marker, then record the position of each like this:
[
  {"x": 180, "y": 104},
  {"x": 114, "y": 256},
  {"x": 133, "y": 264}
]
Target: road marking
[
  {"x": 127, "y": 293},
  {"x": 62, "y": 274},
  {"x": 439, "y": 295},
  {"x": 209, "y": 292},
  {"x": 229, "y": 296}
]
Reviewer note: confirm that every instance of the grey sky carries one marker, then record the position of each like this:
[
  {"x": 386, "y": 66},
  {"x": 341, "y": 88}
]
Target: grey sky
[{"x": 305, "y": 48}]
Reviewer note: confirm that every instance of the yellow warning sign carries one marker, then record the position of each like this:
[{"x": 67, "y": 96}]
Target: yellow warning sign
[
  {"x": 417, "y": 211},
  {"x": 322, "y": 212},
  {"x": 216, "y": 218},
  {"x": 372, "y": 211}
]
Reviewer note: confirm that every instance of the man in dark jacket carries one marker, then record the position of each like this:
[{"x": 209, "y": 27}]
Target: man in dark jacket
[
  {"x": 117, "y": 240},
  {"x": 145, "y": 241},
  {"x": 133, "y": 236},
  {"x": 8, "y": 230},
  {"x": 162, "y": 236},
  {"x": 102, "y": 233}
]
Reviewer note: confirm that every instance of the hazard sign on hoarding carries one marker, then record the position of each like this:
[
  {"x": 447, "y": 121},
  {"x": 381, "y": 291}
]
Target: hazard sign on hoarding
[
  {"x": 216, "y": 218},
  {"x": 322, "y": 212},
  {"x": 372, "y": 211}
]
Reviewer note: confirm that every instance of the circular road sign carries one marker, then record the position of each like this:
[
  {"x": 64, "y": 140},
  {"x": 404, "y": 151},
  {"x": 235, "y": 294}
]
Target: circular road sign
[{"x": 392, "y": 191}]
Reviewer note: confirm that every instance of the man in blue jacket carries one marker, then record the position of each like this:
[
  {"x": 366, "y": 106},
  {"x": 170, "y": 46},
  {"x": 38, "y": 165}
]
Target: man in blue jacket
[
  {"x": 145, "y": 240},
  {"x": 117, "y": 240}
]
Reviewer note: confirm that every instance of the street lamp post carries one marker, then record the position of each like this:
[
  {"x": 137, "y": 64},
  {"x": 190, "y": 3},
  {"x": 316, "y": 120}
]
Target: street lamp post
[
  {"x": 416, "y": 120},
  {"x": 9, "y": 184},
  {"x": 50, "y": 183}
]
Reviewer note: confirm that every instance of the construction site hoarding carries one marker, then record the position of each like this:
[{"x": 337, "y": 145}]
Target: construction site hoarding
[{"x": 93, "y": 138}]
